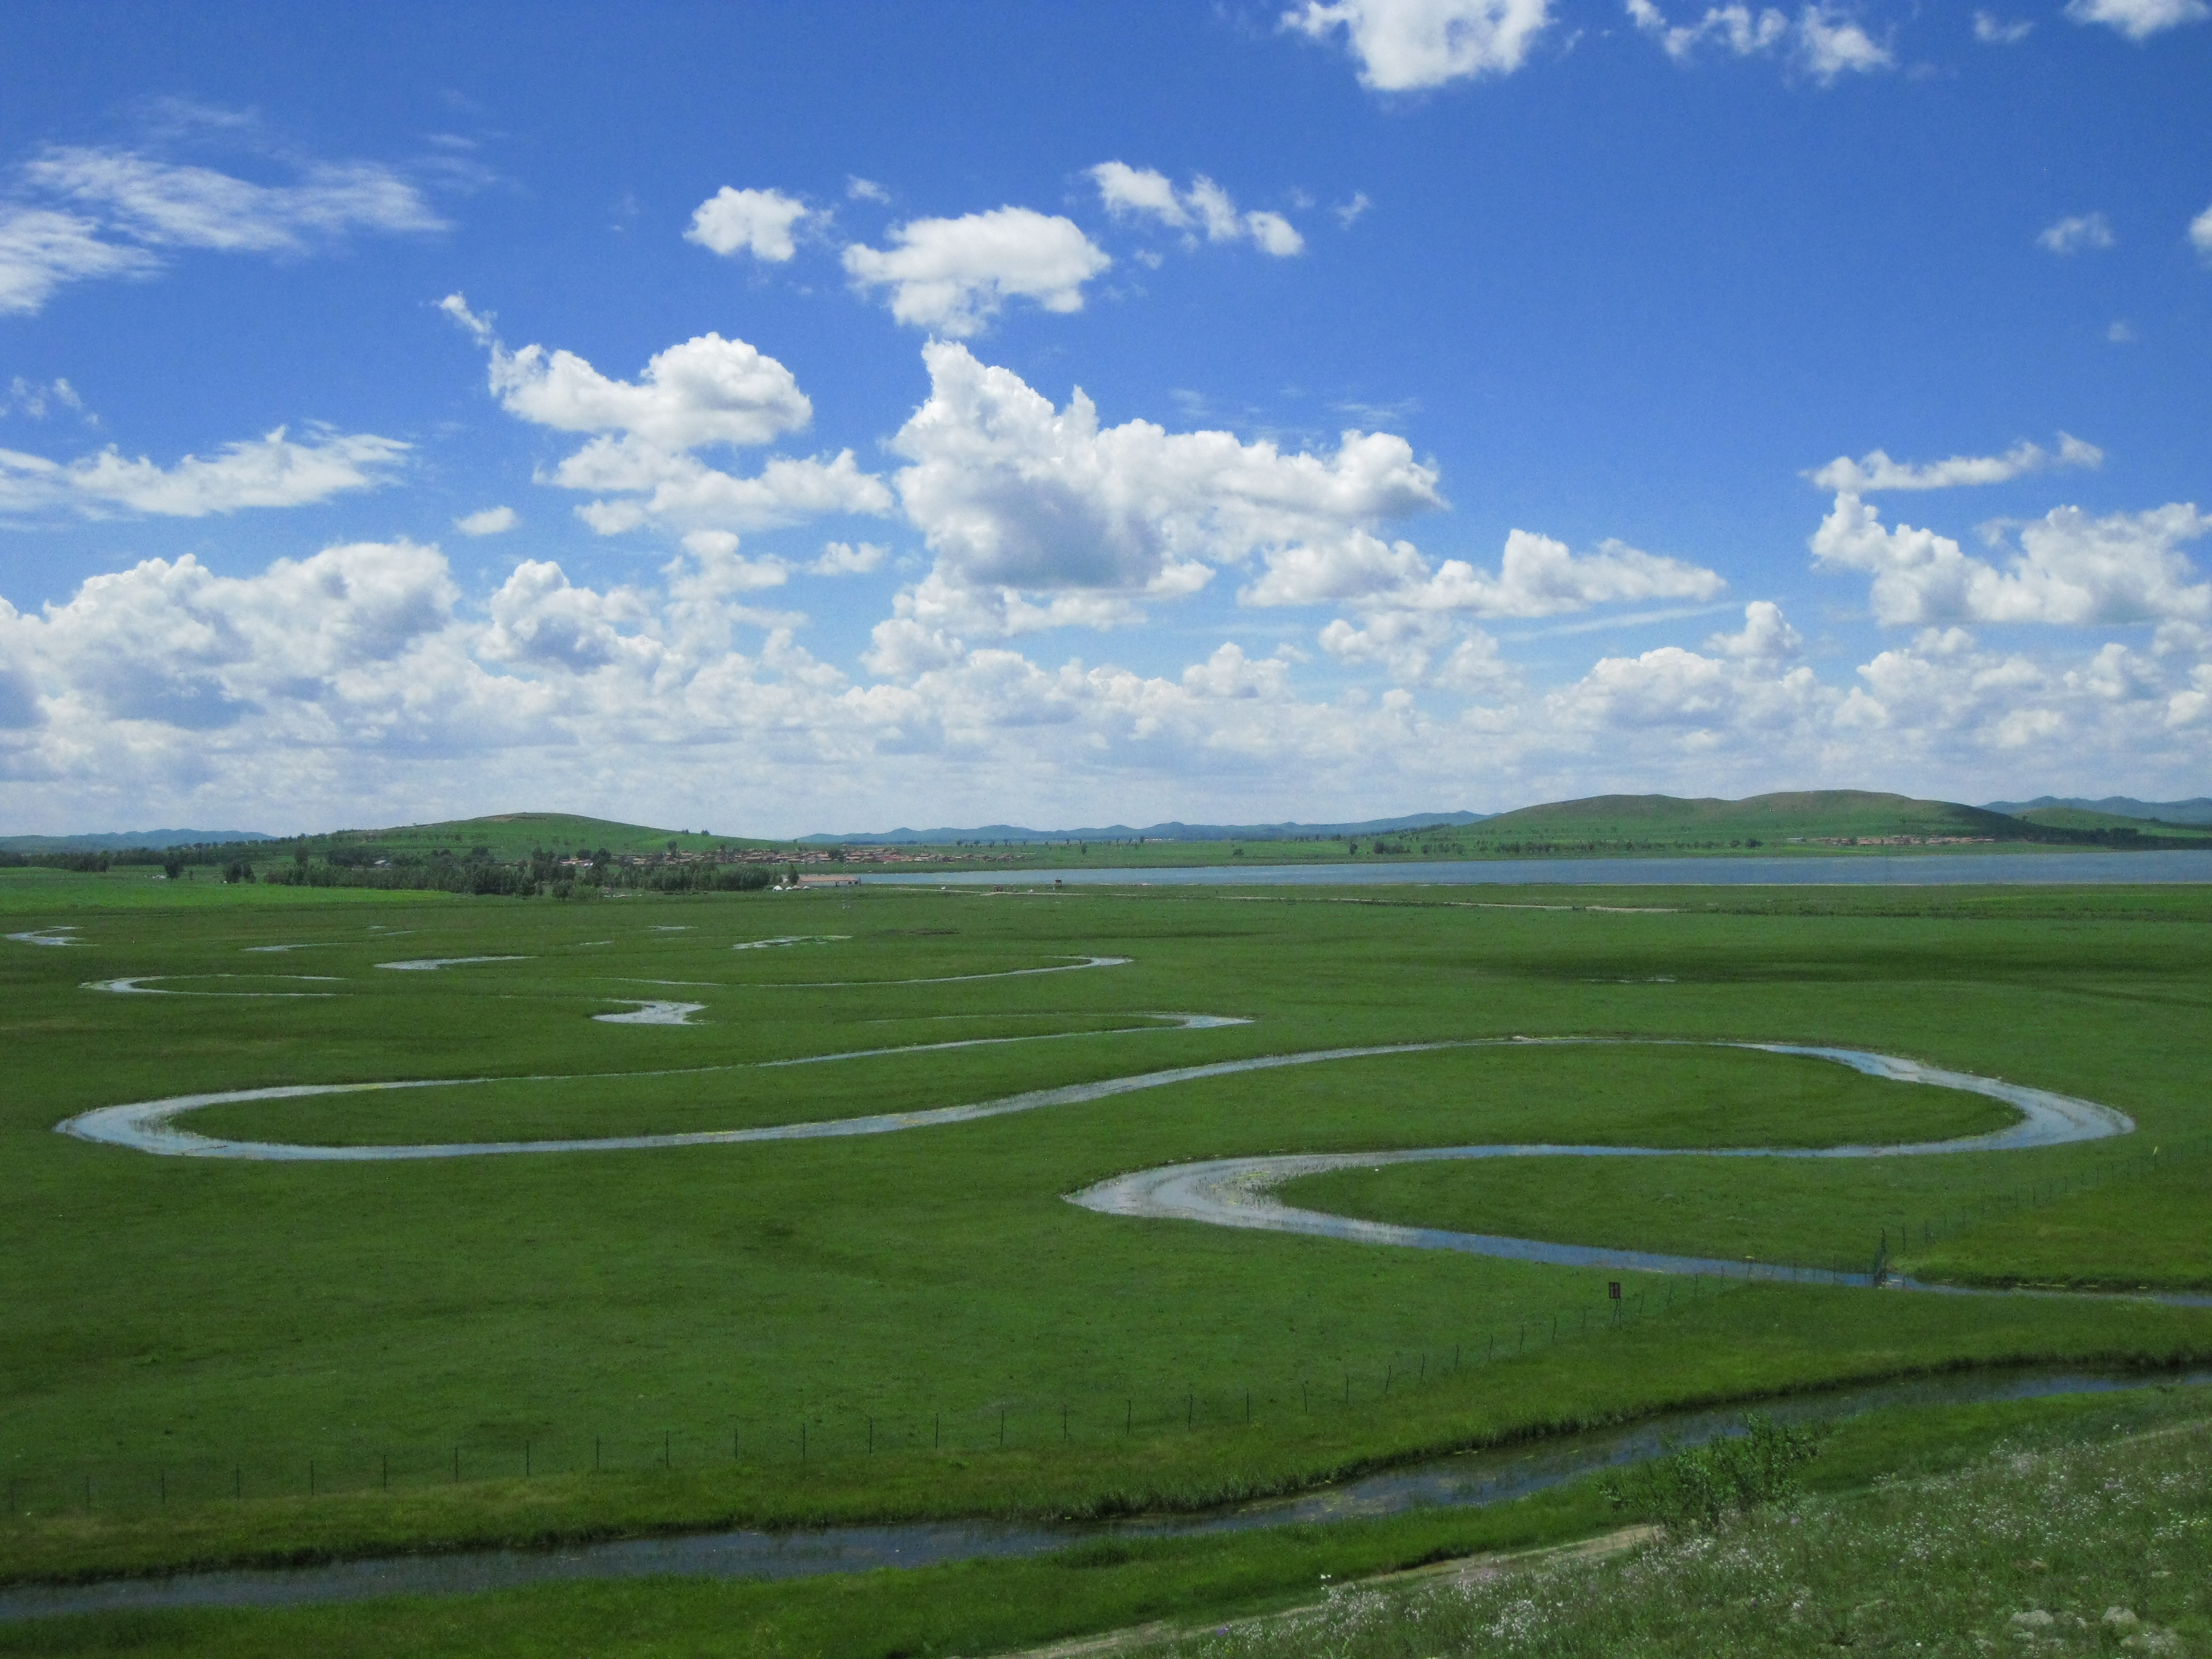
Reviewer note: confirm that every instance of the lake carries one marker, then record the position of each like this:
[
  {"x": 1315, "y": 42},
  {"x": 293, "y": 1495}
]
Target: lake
[{"x": 1926, "y": 869}]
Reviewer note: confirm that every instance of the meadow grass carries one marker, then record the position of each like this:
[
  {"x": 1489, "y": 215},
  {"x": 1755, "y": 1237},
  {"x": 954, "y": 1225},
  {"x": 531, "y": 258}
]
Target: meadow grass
[{"x": 218, "y": 1325}]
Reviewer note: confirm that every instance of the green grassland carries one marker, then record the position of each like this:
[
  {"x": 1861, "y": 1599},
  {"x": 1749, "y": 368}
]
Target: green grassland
[{"x": 904, "y": 1300}]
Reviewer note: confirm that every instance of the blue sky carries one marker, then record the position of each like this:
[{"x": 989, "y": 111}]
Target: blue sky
[{"x": 784, "y": 418}]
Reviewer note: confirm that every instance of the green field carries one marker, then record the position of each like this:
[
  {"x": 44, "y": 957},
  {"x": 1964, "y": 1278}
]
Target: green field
[{"x": 192, "y": 1341}]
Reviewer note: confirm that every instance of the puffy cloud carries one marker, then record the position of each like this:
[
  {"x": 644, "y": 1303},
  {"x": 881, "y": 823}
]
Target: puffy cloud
[
  {"x": 865, "y": 189},
  {"x": 1875, "y": 470},
  {"x": 952, "y": 276},
  {"x": 540, "y": 619},
  {"x": 1537, "y": 576},
  {"x": 1421, "y": 648},
  {"x": 1702, "y": 704},
  {"x": 707, "y": 392},
  {"x": 2072, "y": 570},
  {"x": 176, "y": 644},
  {"x": 1408, "y": 45},
  {"x": 755, "y": 222},
  {"x": 359, "y": 683},
  {"x": 2073, "y": 234},
  {"x": 1824, "y": 41},
  {"x": 491, "y": 521},
  {"x": 2138, "y": 19},
  {"x": 1011, "y": 493},
  {"x": 849, "y": 559},
  {"x": 274, "y": 471},
  {"x": 2200, "y": 235},
  {"x": 1994, "y": 31},
  {"x": 1767, "y": 636},
  {"x": 1229, "y": 673},
  {"x": 1141, "y": 193}
]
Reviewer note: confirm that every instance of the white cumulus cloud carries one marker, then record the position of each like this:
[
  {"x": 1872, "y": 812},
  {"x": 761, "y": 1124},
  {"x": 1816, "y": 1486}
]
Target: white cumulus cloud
[
  {"x": 1011, "y": 493},
  {"x": 2071, "y": 569},
  {"x": 1994, "y": 31},
  {"x": 2075, "y": 233},
  {"x": 2200, "y": 235},
  {"x": 1537, "y": 576},
  {"x": 708, "y": 391},
  {"x": 2138, "y": 19},
  {"x": 952, "y": 276},
  {"x": 1408, "y": 45},
  {"x": 1875, "y": 470},
  {"x": 1204, "y": 208},
  {"x": 1767, "y": 635},
  {"x": 755, "y": 222},
  {"x": 491, "y": 521},
  {"x": 849, "y": 559}
]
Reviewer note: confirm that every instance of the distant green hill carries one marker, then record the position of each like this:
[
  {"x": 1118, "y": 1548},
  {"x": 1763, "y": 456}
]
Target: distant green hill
[
  {"x": 2077, "y": 818},
  {"x": 2121, "y": 808},
  {"x": 1811, "y": 818},
  {"x": 511, "y": 835}
]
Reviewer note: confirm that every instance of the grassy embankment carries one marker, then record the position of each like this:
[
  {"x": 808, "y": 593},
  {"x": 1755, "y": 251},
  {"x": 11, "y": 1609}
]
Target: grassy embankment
[
  {"x": 219, "y": 1326},
  {"x": 1934, "y": 1465}
]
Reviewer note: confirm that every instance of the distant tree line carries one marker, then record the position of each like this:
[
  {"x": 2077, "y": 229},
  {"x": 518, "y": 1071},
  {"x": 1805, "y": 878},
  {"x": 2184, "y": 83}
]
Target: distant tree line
[{"x": 545, "y": 871}]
